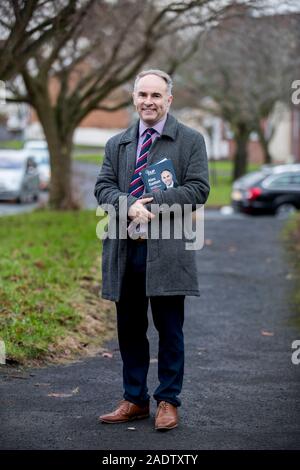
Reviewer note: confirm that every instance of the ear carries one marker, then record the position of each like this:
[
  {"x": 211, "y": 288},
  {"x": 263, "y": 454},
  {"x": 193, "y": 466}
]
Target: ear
[{"x": 170, "y": 99}]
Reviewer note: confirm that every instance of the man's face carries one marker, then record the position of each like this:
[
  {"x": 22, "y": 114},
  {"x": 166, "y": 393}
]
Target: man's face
[
  {"x": 166, "y": 177},
  {"x": 151, "y": 99}
]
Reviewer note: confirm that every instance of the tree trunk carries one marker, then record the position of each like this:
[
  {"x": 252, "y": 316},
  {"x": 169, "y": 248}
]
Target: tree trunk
[
  {"x": 264, "y": 142},
  {"x": 241, "y": 135},
  {"x": 60, "y": 150},
  {"x": 61, "y": 196}
]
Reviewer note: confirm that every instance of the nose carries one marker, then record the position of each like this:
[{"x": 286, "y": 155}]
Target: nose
[{"x": 148, "y": 100}]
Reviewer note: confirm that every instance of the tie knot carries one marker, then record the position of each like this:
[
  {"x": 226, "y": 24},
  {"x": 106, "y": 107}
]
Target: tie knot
[{"x": 150, "y": 131}]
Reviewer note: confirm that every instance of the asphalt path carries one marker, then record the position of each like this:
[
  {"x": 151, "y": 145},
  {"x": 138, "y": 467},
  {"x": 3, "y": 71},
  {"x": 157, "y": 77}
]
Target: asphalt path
[{"x": 241, "y": 390}]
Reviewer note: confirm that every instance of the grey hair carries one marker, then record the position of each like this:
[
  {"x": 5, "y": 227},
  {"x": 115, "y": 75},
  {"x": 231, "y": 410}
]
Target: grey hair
[{"x": 158, "y": 73}]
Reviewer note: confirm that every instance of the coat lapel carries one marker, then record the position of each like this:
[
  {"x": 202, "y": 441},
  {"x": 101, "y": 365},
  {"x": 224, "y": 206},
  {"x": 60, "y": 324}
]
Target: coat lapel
[{"x": 169, "y": 133}]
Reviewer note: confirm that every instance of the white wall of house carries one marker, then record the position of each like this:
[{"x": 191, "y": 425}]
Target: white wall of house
[
  {"x": 280, "y": 145},
  {"x": 210, "y": 127},
  {"x": 93, "y": 136},
  {"x": 82, "y": 136}
]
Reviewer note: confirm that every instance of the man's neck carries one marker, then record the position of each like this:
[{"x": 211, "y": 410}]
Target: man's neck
[{"x": 159, "y": 126}]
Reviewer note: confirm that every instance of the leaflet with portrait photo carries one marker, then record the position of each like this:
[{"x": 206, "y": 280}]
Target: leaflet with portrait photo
[{"x": 159, "y": 176}]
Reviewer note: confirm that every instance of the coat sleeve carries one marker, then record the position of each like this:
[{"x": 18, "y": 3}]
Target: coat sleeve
[
  {"x": 195, "y": 188},
  {"x": 107, "y": 189}
]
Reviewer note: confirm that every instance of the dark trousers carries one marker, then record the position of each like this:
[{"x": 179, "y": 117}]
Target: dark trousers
[{"x": 132, "y": 323}]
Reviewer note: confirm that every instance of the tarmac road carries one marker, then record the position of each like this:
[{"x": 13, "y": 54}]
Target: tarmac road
[{"x": 241, "y": 390}]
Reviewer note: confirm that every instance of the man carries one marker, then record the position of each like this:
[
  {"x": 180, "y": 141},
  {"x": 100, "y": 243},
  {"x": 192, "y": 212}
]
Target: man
[
  {"x": 167, "y": 179},
  {"x": 136, "y": 271}
]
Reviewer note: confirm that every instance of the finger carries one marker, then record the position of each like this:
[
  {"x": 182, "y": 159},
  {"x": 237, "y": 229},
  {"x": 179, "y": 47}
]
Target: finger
[{"x": 145, "y": 200}]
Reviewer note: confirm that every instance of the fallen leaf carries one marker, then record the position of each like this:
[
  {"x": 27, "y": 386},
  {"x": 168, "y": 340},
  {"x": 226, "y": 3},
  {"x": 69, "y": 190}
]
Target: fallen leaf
[
  {"x": 107, "y": 354},
  {"x": 60, "y": 395},
  {"x": 39, "y": 264},
  {"x": 267, "y": 333},
  {"x": 208, "y": 241},
  {"x": 64, "y": 395}
]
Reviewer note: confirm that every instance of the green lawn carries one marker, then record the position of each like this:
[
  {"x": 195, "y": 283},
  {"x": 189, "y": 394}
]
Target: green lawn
[
  {"x": 97, "y": 159},
  {"x": 11, "y": 144},
  {"x": 221, "y": 182},
  {"x": 49, "y": 285}
]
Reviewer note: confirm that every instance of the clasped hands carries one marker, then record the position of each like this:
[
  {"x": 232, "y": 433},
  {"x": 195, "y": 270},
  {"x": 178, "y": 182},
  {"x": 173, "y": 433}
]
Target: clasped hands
[{"x": 138, "y": 212}]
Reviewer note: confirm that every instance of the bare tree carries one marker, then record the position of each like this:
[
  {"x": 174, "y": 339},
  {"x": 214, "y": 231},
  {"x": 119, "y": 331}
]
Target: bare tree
[
  {"x": 25, "y": 26},
  {"x": 246, "y": 65},
  {"x": 102, "y": 48}
]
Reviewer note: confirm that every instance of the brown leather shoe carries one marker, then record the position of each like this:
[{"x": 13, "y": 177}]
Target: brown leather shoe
[
  {"x": 166, "y": 416},
  {"x": 126, "y": 411}
]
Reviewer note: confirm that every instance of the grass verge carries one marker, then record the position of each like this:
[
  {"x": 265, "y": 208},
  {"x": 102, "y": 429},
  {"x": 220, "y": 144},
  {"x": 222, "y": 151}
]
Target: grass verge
[
  {"x": 291, "y": 239},
  {"x": 96, "y": 159},
  {"x": 220, "y": 173},
  {"x": 11, "y": 144},
  {"x": 50, "y": 309}
]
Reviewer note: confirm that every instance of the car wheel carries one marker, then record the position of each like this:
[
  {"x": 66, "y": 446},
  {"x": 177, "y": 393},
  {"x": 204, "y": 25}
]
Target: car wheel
[{"x": 285, "y": 209}]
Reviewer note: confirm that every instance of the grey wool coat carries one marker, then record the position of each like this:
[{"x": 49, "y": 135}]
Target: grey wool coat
[{"x": 171, "y": 269}]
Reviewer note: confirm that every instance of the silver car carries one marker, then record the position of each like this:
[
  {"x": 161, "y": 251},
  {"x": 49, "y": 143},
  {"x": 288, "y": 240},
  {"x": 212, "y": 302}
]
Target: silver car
[{"x": 19, "y": 177}]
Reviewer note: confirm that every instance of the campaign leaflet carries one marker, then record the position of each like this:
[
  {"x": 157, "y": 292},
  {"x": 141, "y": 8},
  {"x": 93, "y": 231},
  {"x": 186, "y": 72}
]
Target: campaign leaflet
[{"x": 159, "y": 176}]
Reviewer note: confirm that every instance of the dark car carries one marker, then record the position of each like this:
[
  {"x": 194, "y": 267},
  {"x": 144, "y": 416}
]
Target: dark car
[{"x": 272, "y": 190}]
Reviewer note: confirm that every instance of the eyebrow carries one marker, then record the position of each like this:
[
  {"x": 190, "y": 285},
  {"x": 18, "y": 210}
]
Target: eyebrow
[{"x": 145, "y": 93}]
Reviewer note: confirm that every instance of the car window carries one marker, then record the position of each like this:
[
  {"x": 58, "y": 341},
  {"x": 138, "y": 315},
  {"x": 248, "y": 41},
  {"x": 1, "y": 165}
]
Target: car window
[
  {"x": 279, "y": 181},
  {"x": 10, "y": 164},
  {"x": 251, "y": 178},
  {"x": 41, "y": 159},
  {"x": 34, "y": 145},
  {"x": 296, "y": 180}
]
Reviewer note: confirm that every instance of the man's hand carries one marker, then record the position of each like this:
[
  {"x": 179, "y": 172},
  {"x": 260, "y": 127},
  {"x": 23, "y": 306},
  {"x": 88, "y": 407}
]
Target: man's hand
[{"x": 139, "y": 213}]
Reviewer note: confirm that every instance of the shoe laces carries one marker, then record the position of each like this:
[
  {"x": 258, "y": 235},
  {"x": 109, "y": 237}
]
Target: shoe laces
[
  {"x": 124, "y": 405},
  {"x": 164, "y": 405}
]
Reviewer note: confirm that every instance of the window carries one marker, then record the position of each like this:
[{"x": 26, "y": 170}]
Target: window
[
  {"x": 281, "y": 181},
  {"x": 296, "y": 180}
]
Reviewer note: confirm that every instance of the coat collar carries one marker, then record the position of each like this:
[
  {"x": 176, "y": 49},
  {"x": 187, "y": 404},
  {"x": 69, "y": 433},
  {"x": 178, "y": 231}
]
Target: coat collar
[{"x": 170, "y": 129}]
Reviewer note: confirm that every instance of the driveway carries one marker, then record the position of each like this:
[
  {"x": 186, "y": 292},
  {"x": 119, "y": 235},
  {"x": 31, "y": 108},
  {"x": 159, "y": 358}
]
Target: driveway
[{"x": 241, "y": 390}]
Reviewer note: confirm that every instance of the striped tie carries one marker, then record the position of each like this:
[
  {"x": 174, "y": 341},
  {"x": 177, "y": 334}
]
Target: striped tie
[{"x": 136, "y": 187}]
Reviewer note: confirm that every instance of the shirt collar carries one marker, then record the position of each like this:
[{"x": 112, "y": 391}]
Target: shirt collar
[{"x": 158, "y": 126}]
